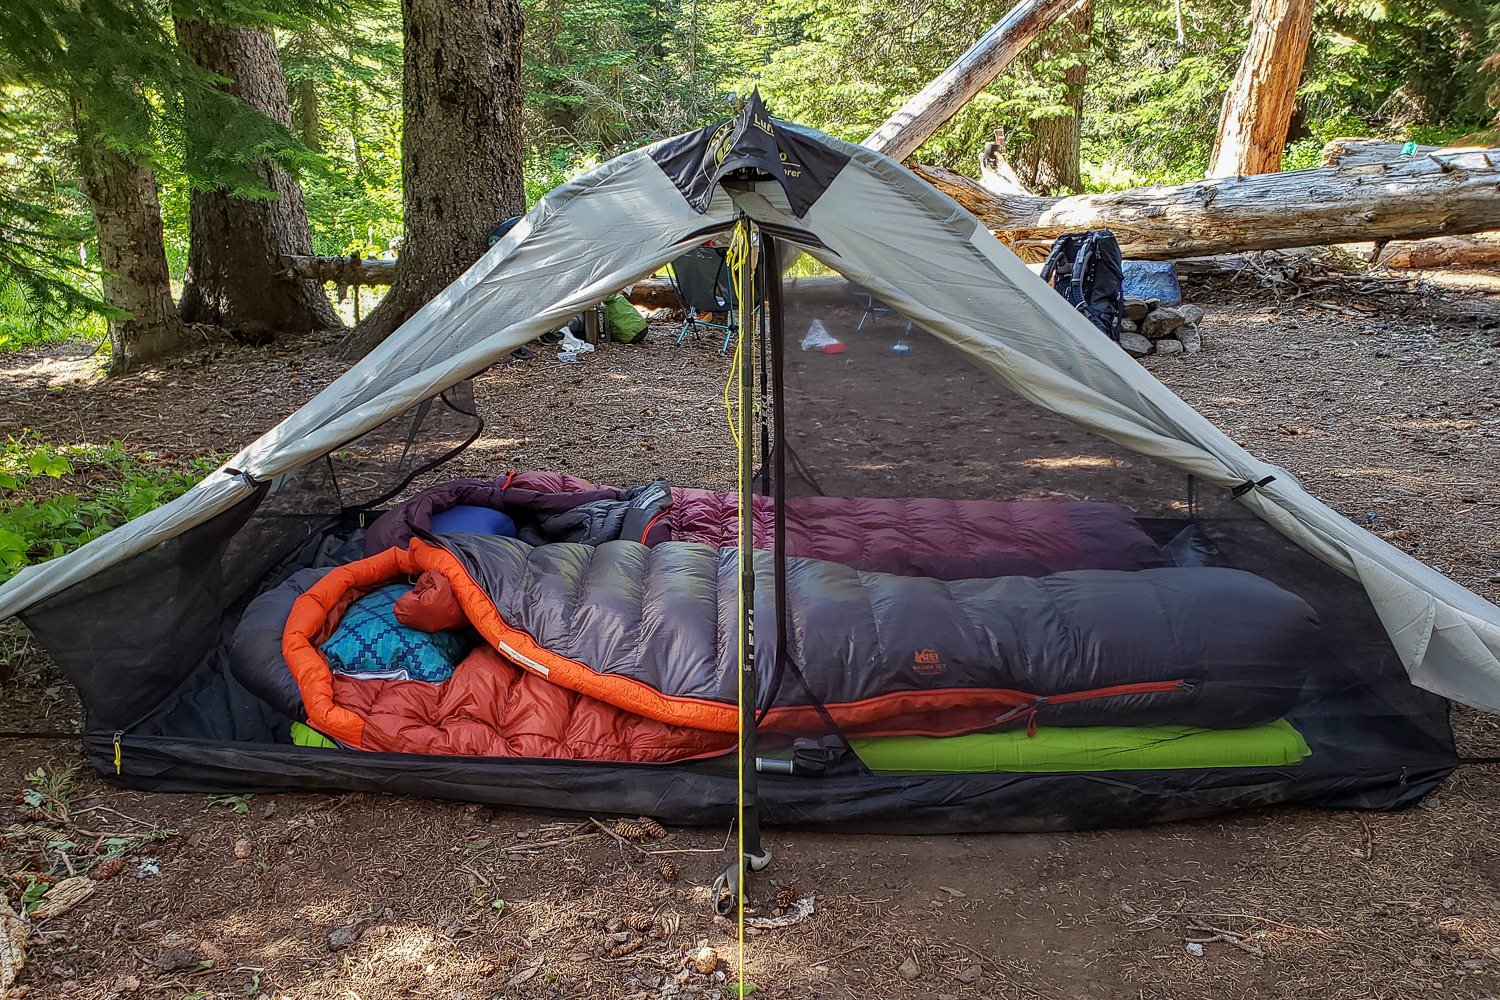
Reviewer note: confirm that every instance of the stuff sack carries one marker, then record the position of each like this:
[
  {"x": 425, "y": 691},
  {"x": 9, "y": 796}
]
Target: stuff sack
[
  {"x": 625, "y": 324},
  {"x": 1087, "y": 270}
]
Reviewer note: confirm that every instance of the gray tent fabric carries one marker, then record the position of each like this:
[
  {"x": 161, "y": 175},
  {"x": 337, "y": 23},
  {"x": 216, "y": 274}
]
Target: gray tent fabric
[{"x": 913, "y": 248}]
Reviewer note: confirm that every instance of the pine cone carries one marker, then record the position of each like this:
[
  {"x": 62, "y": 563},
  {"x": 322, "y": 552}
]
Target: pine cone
[
  {"x": 108, "y": 868},
  {"x": 639, "y": 921},
  {"x": 625, "y": 948},
  {"x": 631, "y": 829},
  {"x": 668, "y": 869},
  {"x": 786, "y": 896},
  {"x": 653, "y": 829}
]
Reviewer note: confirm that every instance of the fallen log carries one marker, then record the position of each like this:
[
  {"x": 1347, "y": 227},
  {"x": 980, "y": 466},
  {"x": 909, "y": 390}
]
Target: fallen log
[
  {"x": 921, "y": 117},
  {"x": 351, "y": 270},
  {"x": 653, "y": 292},
  {"x": 1352, "y": 152},
  {"x": 1479, "y": 250},
  {"x": 1431, "y": 196}
]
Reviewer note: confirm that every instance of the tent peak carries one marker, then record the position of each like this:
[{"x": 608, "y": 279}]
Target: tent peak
[{"x": 751, "y": 143}]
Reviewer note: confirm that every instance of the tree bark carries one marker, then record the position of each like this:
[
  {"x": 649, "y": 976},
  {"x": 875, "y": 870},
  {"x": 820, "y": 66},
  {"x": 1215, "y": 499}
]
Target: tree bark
[
  {"x": 1317, "y": 207},
  {"x": 234, "y": 279},
  {"x": 127, "y": 227},
  {"x": 461, "y": 170},
  {"x": 1049, "y": 160},
  {"x": 1258, "y": 107},
  {"x": 976, "y": 69}
]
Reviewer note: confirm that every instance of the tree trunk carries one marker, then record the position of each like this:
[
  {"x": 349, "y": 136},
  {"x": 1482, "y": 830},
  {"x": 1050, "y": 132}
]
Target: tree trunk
[
  {"x": 970, "y": 73},
  {"x": 1258, "y": 107},
  {"x": 127, "y": 226},
  {"x": 1317, "y": 207},
  {"x": 234, "y": 277},
  {"x": 1049, "y": 160},
  {"x": 461, "y": 171},
  {"x": 308, "y": 126}
]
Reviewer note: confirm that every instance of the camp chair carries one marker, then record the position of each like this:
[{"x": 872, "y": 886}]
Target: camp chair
[
  {"x": 701, "y": 279},
  {"x": 874, "y": 307}
]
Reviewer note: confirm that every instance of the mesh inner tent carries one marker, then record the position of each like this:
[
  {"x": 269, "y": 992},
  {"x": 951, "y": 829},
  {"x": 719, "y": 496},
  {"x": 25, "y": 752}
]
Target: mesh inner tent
[
  {"x": 944, "y": 603},
  {"x": 161, "y": 618},
  {"x": 1035, "y": 598}
]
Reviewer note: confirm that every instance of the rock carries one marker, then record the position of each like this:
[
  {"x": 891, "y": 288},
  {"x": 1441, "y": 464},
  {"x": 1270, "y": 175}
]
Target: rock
[
  {"x": 1128, "y": 326},
  {"x": 909, "y": 970},
  {"x": 1195, "y": 949},
  {"x": 1192, "y": 340},
  {"x": 705, "y": 960},
  {"x": 1162, "y": 321},
  {"x": 1192, "y": 315},
  {"x": 1135, "y": 345},
  {"x": 1168, "y": 347},
  {"x": 343, "y": 937},
  {"x": 969, "y": 973},
  {"x": 243, "y": 848},
  {"x": 1136, "y": 309},
  {"x": 177, "y": 957}
]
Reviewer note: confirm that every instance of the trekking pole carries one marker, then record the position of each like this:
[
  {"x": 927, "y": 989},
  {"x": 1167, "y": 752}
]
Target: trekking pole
[{"x": 728, "y": 890}]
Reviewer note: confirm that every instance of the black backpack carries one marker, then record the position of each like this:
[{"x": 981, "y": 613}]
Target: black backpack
[{"x": 1087, "y": 270}]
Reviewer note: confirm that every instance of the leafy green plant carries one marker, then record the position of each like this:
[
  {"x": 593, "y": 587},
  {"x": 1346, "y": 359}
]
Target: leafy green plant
[
  {"x": 238, "y": 803},
  {"x": 55, "y": 498},
  {"x": 31, "y": 896}
]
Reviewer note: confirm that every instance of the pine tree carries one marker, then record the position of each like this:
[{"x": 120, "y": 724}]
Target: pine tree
[
  {"x": 235, "y": 276},
  {"x": 461, "y": 146}
]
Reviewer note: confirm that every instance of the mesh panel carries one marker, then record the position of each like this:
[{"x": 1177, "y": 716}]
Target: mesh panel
[
  {"x": 1018, "y": 593},
  {"x": 382, "y": 463},
  {"x": 157, "y": 617}
]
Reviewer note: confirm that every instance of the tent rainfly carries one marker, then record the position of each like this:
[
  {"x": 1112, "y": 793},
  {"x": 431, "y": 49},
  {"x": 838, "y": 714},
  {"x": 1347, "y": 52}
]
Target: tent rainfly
[{"x": 1002, "y": 578}]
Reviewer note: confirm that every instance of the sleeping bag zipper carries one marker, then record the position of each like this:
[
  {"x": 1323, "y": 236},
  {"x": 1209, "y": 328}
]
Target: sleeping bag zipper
[{"x": 1029, "y": 709}]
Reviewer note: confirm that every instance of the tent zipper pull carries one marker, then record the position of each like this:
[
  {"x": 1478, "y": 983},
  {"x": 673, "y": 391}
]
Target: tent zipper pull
[{"x": 119, "y": 755}]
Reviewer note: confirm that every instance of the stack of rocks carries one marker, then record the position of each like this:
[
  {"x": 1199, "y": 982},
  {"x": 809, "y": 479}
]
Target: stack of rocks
[{"x": 1153, "y": 327}]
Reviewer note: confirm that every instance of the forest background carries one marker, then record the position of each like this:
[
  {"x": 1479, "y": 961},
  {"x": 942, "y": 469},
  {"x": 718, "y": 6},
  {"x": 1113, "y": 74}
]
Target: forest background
[{"x": 235, "y": 100}]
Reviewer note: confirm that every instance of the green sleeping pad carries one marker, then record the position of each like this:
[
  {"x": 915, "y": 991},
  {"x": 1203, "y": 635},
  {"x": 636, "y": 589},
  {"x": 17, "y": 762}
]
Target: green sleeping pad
[{"x": 1087, "y": 748}]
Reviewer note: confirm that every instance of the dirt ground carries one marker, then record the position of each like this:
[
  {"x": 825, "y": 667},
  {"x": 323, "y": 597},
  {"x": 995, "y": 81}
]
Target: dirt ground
[{"x": 1384, "y": 402}]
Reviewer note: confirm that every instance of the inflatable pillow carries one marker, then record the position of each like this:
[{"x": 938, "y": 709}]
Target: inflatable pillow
[
  {"x": 370, "y": 642},
  {"x": 473, "y": 520}
]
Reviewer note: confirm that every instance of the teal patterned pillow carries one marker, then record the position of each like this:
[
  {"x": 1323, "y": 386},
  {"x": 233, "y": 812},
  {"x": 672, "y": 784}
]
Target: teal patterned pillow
[{"x": 370, "y": 642}]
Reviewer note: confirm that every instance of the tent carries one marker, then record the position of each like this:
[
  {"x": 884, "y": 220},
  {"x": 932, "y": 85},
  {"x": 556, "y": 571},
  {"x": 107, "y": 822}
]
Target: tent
[{"x": 1243, "y": 589}]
